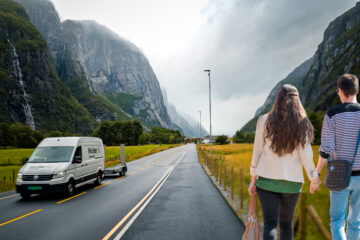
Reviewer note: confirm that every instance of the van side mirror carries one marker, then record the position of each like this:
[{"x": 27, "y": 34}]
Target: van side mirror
[{"x": 77, "y": 159}]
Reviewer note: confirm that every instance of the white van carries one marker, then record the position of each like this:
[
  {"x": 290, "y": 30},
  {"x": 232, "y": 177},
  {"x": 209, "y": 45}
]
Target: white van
[{"x": 61, "y": 164}]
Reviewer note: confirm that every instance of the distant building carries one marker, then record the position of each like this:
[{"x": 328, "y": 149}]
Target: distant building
[
  {"x": 207, "y": 139},
  {"x": 195, "y": 140}
]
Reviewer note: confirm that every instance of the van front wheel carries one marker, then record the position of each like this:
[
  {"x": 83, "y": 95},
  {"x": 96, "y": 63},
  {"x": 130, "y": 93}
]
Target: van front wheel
[
  {"x": 98, "y": 179},
  {"x": 70, "y": 188}
]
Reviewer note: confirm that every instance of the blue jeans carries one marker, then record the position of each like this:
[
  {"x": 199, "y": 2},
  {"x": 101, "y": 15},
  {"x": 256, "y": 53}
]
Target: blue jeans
[{"x": 339, "y": 202}]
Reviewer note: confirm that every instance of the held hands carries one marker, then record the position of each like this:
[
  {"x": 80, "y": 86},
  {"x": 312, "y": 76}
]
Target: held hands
[{"x": 315, "y": 185}]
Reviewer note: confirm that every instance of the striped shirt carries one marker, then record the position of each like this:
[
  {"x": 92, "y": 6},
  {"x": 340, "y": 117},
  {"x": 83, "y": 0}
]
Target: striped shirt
[{"x": 340, "y": 132}]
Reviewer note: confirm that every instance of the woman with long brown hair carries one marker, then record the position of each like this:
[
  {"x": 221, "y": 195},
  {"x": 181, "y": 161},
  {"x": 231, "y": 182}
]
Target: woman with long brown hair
[{"x": 282, "y": 147}]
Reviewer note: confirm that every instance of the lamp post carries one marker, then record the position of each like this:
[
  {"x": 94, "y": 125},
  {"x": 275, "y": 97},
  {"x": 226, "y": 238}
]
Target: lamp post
[
  {"x": 200, "y": 126},
  {"x": 208, "y": 71}
]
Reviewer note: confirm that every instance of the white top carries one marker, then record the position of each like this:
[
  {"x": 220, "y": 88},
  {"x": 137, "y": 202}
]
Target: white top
[{"x": 267, "y": 164}]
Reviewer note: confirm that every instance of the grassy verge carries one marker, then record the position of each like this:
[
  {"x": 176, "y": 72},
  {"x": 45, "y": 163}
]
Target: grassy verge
[
  {"x": 11, "y": 160},
  {"x": 14, "y": 156},
  {"x": 7, "y": 182},
  {"x": 239, "y": 157}
]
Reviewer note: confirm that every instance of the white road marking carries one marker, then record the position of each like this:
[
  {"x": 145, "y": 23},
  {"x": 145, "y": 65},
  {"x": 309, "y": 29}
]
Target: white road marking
[{"x": 131, "y": 221}]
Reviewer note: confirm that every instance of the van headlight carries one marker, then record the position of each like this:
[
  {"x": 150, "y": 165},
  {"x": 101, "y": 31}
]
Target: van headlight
[
  {"x": 59, "y": 174},
  {"x": 19, "y": 176}
]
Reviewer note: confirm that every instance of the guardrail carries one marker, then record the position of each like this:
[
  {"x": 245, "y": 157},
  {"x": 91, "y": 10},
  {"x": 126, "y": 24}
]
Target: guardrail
[{"x": 225, "y": 177}]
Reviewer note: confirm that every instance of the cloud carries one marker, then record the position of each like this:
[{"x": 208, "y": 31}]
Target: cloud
[
  {"x": 249, "y": 46},
  {"x": 258, "y": 42}
]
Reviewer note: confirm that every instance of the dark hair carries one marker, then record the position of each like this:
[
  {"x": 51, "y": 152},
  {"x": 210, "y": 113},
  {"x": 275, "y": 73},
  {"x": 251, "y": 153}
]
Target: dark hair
[
  {"x": 287, "y": 125},
  {"x": 349, "y": 84}
]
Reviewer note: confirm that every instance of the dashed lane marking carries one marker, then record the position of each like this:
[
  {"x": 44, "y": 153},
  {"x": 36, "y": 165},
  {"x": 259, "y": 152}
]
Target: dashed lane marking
[
  {"x": 15, "y": 219},
  {"x": 102, "y": 185},
  {"x": 67, "y": 199}
]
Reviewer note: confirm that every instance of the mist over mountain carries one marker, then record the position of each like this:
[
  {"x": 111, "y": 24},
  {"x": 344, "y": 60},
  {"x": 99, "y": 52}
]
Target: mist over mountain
[
  {"x": 338, "y": 53},
  {"x": 189, "y": 126},
  {"x": 108, "y": 75}
]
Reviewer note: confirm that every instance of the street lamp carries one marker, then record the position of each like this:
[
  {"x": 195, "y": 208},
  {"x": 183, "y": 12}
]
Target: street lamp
[
  {"x": 208, "y": 71},
  {"x": 200, "y": 127}
]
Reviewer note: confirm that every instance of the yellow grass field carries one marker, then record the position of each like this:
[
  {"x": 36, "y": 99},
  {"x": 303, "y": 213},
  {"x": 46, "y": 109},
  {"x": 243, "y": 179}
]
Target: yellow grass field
[{"x": 239, "y": 156}]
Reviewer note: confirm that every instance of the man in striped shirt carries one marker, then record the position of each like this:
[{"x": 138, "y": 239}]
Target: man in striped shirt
[{"x": 338, "y": 139}]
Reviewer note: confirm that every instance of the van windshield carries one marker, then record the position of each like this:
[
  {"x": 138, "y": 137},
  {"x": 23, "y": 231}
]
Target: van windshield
[{"x": 51, "y": 154}]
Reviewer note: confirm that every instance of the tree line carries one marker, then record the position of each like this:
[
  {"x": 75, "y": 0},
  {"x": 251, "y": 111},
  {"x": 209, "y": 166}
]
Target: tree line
[
  {"x": 160, "y": 135},
  {"x": 126, "y": 132},
  {"x": 113, "y": 133}
]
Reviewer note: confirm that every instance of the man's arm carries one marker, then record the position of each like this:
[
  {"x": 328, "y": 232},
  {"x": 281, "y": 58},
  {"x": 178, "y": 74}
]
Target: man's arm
[{"x": 320, "y": 164}]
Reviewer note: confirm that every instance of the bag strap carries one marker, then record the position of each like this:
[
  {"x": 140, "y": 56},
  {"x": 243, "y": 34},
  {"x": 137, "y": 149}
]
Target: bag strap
[{"x": 356, "y": 149}]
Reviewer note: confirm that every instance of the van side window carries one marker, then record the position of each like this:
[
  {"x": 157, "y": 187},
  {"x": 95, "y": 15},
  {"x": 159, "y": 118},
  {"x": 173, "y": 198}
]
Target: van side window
[{"x": 78, "y": 154}]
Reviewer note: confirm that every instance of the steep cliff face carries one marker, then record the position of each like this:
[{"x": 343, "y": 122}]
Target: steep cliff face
[
  {"x": 43, "y": 15},
  {"x": 30, "y": 91},
  {"x": 338, "y": 53},
  {"x": 114, "y": 66},
  {"x": 100, "y": 68}
]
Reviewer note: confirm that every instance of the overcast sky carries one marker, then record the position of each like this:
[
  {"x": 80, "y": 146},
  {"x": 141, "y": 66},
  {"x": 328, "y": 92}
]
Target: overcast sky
[{"x": 249, "y": 45}]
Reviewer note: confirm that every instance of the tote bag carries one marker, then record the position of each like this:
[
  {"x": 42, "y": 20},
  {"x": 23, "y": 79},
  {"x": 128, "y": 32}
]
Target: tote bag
[{"x": 252, "y": 227}]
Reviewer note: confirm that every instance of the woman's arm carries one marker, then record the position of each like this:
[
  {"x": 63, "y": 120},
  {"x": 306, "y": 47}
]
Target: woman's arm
[
  {"x": 257, "y": 151},
  {"x": 258, "y": 146},
  {"x": 306, "y": 157}
]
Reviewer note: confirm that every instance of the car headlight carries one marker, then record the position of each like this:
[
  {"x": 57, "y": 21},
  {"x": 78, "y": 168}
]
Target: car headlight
[
  {"x": 59, "y": 175},
  {"x": 19, "y": 176}
]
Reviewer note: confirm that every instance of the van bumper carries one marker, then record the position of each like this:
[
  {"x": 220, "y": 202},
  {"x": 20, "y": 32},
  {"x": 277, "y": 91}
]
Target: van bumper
[{"x": 40, "y": 188}]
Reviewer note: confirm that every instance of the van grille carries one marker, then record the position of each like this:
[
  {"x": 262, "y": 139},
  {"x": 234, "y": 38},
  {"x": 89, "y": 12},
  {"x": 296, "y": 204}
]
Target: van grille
[{"x": 37, "y": 177}]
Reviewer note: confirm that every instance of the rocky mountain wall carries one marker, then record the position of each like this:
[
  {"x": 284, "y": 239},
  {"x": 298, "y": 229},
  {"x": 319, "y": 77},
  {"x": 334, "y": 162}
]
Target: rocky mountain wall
[{"x": 338, "y": 53}]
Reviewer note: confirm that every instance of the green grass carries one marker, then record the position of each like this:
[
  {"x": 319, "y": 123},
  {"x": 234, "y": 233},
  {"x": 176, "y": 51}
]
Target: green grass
[
  {"x": 113, "y": 154},
  {"x": 125, "y": 100},
  {"x": 239, "y": 157},
  {"x": 6, "y": 177},
  {"x": 14, "y": 156}
]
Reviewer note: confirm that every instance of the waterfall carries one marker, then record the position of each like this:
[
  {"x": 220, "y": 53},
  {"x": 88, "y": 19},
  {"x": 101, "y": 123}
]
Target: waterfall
[{"x": 18, "y": 74}]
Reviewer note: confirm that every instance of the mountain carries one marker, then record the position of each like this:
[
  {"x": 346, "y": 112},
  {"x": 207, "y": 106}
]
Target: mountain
[
  {"x": 109, "y": 75},
  {"x": 117, "y": 69},
  {"x": 338, "y": 53},
  {"x": 189, "y": 126},
  {"x": 30, "y": 90},
  {"x": 295, "y": 78}
]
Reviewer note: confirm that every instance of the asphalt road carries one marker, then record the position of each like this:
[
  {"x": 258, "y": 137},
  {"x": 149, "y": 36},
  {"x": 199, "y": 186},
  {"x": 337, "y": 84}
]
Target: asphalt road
[{"x": 164, "y": 196}]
